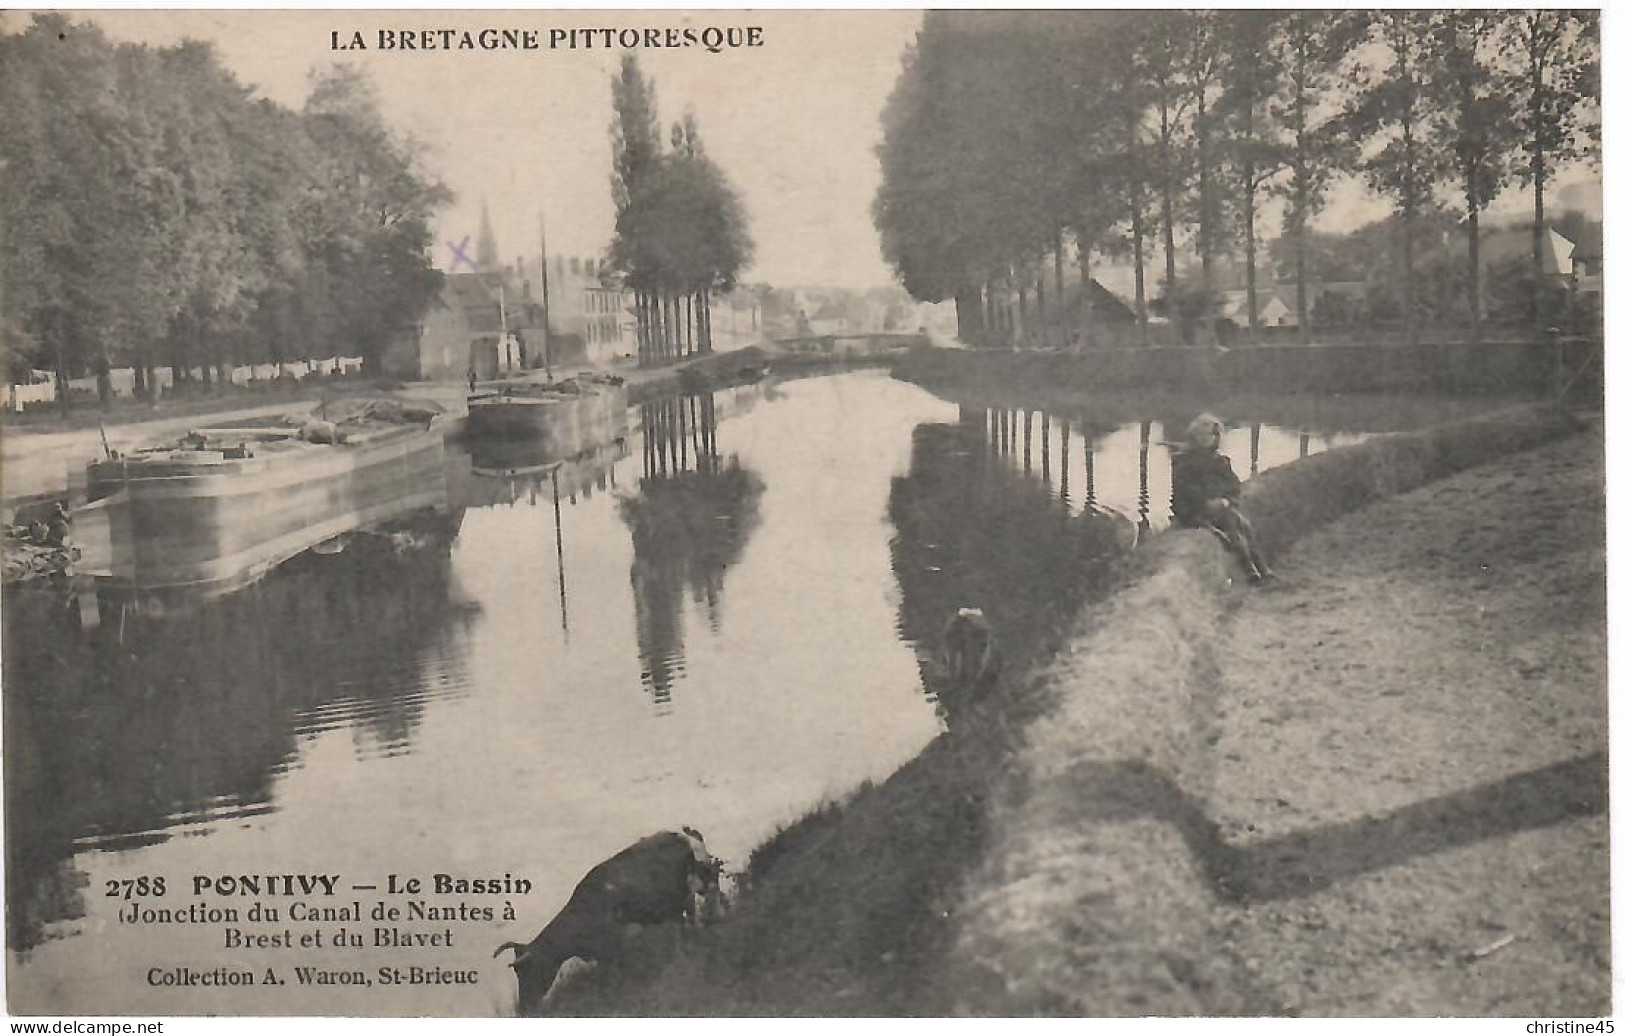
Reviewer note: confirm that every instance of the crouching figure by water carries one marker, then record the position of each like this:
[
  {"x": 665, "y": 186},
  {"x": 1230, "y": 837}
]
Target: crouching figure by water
[
  {"x": 1207, "y": 495},
  {"x": 967, "y": 648},
  {"x": 658, "y": 879}
]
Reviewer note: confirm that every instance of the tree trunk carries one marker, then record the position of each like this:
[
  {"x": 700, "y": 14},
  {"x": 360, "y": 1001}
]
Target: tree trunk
[
  {"x": 637, "y": 331},
  {"x": 698, "y": 304},
  {"x": 662, "y": 337},
  {"x": 690, "y": 333},
  {"x": 1249, "y": 207},
  {"x": 1408, "y": 288},
  {"x": 1300, "y": 189},
  {"x": 990, "y": 315},
  {"x": 650, "y": 335},
  {"x": 1407, "y": 133},
  {"x": 674, "y": 325},
  {"x": 1045, "y": 317},
  {"x": 1208, "y": 231},
  {"x": 1476, "y": 287},
  {"x": 1060, "y": 288},
  {"x": 1086, "y": 308},
  {"x": 1140, "y": 317},
  {"x": 1207, "y": 240},
  {"x": 1022, "y": 322},
  {"x": 1301, "y": 266},
  {"x": 104, "y": 380},
  {"x": 1408, "y": 230},
  {"x": 1169, "y": 282},
  {"x": 646, "y": 320},
  {"x": 65, "y": 404},
  {"x": 1538, "y": 169},
  {"x": 1300, "y": 184},
  {"x": 657, "y": 326}
]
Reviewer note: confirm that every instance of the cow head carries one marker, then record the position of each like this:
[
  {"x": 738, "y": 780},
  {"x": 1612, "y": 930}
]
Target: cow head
[{"x": 536, "y": 966}]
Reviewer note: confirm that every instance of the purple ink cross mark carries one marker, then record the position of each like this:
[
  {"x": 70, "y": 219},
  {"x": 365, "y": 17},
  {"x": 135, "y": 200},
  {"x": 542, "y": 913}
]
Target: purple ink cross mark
[{"x": 459, "y": 254}]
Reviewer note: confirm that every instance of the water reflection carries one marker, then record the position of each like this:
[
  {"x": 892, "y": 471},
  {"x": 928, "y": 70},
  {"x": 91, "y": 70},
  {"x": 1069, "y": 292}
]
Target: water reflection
[
  {"x": 690, "y": 520},
  {"x": 1126, "y": 466},
  {"x": 779, "y": 559},
  {"x": 974, "y": 531},
  {"x": 1144, "y": 498},
  {"x": 506, "y": 472},
  {"x": 133, "y": 734}
]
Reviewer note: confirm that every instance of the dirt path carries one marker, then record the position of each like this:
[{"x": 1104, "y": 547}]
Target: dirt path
[{"x": 1412, "y": 754}]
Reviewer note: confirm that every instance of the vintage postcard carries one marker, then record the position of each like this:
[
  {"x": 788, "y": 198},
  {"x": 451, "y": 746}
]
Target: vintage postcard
[{"x": 781, "y": 513}]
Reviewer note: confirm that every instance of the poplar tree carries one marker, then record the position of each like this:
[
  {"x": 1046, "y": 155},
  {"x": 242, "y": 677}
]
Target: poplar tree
[
  {"x": 1554, "y": 87},
  {"x": 1252, "y": 149},
  {"x": 1401, "y": 159},
  {"x": 1468, "y": 107},
  {"x": 1313, "y": 46}
]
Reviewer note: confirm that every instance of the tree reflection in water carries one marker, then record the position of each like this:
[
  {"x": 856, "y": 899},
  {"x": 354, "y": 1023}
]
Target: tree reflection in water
[
  {"x": 690, "y": 520},
  {"x": 976, "y": 531},
  {"x": 119, "y": 737}
]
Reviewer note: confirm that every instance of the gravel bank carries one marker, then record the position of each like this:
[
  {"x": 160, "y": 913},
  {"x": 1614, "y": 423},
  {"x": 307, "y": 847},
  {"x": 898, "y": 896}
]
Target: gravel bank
[{"x": 1411, "y": 753}]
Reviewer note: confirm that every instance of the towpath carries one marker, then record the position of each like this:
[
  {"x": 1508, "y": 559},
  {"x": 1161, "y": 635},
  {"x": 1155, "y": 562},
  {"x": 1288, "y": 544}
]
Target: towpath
[{"x": 1411, "y": 754}]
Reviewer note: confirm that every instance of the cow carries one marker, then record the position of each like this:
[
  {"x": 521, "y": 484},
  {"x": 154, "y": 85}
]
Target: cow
[{"x": 653, "y": 881}]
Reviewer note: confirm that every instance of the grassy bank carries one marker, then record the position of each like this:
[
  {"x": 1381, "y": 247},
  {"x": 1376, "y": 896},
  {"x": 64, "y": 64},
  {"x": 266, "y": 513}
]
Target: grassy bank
[
  {"x": 1098, "y": 896},
  {"x": 1051, "y": 854}
]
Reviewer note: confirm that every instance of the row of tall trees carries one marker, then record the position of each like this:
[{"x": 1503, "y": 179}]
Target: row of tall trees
[
  {"x": 1016, "y": 141},
  {"x": 156, "y": 213},
  {"x": 680, "y": 229}
]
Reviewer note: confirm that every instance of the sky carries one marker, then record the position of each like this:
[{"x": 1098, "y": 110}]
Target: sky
[{"x": 794, "y": 122}]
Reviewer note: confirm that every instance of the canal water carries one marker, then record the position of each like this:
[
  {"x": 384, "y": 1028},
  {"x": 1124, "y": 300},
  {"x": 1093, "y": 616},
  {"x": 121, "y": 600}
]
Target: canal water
[{"x": 722, "y": 623}]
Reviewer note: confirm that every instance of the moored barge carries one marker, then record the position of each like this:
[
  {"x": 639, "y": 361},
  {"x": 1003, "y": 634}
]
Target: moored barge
[
  {"x": 563, "y": 419},
  {"x": 224, "y": 505}
]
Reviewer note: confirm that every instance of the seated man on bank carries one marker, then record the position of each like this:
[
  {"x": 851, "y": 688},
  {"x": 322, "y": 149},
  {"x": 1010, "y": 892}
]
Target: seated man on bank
[{"x": 1207, "y": 494}]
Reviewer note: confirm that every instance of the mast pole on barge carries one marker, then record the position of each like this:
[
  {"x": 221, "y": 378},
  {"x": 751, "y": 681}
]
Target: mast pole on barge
[{"x": 547, "y": 309}]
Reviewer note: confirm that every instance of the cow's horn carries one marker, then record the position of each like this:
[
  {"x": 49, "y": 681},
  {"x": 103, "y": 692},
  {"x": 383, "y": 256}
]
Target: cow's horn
[{"x": 517, "y": 948}]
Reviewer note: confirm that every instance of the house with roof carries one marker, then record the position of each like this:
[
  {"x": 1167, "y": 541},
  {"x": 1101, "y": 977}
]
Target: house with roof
[
  {"x": 1273, "y": 310},
  {"x": 1105, "y": 307},
  {"x": 1505, "y": 246},
  {"x": 1330, "y": 303},
  {"x": 1586, "y": 259},
  {"x": 482, "y": 322},
  {"x": 593, "y": 317}
]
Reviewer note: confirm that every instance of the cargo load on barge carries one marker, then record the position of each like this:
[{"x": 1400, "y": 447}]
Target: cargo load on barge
[{"x": 223, "y": 505}]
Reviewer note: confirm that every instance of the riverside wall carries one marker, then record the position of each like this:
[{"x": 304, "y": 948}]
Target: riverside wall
[{"x": 1490, "y": 368}]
